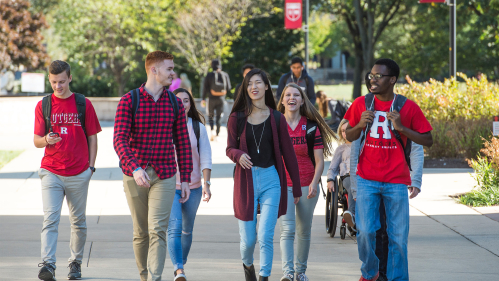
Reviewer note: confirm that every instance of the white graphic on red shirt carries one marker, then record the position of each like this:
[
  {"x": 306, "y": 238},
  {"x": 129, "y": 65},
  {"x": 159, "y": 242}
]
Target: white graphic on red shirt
[
  {"x": 380, "y": 135},
  {"x": 64, "y": 130},
  {"x": 303, "y": 127},
  {"x": 65, "y": 118}
]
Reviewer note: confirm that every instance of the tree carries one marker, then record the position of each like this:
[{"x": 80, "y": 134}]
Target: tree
[
  {"x": 111, "y": 34},
  {"x": 20, "y": 36},
  {"x": 366, "y": 21},
  {"x": 207, "y": 28}
]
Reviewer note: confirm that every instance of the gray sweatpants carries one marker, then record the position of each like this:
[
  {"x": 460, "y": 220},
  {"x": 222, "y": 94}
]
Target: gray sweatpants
[{"x": 54, "y": 189}]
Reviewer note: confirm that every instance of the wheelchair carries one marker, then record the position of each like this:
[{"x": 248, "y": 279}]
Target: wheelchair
[{"x": 334, "y": 201}]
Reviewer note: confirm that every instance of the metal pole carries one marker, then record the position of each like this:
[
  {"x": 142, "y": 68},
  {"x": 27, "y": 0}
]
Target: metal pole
[
  {"x": 306, "y": 35},
  {"x": 452, "y": 35}
]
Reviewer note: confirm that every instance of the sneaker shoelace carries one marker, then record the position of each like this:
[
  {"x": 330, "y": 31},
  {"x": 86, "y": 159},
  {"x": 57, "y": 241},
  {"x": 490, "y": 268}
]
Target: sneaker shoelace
[
  {"x": 302, "y": 277},
  {"x": 42, "y": 264},
  {"x": 74, "y": 267}
]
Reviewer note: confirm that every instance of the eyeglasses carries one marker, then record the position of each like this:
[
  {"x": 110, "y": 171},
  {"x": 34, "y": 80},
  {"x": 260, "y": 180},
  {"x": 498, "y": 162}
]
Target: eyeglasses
[{"x": 377, "y": 76}]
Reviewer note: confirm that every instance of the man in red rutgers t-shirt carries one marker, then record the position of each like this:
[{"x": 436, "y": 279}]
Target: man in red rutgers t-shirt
[
  {"x": 383, "y": 171},
  {"x": 66, "y": 169}
]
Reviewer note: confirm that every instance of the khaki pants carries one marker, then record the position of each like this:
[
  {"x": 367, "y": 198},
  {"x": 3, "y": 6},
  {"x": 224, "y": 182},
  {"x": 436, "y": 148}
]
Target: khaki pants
[
  {"x": 150, "y": 209},
  {"x": 54, "y": 189}
]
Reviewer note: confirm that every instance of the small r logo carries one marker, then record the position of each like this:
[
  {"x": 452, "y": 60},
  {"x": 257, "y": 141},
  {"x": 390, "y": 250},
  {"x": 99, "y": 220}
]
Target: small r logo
[
  {"x": 64, "y": 130},
  {"x": 303, "y": 127}
]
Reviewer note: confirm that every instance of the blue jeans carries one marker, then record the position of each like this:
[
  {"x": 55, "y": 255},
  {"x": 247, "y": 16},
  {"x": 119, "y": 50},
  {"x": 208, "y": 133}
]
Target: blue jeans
[
  {"x": 181, "y": 225},
  {"x": 396, "y": 200},
  {"x": 267, "y": 192},
  {"x": 301, "y": 222}
]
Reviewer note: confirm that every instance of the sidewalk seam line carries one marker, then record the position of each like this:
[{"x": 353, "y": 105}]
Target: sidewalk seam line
[
  {"x": 90, "y": 252},
  {"x": 456, "y": 231}
]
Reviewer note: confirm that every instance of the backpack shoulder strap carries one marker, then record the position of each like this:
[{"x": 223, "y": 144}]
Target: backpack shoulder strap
[
  {"x": 370, "y": 101},
  {"x": 277, "y": 118},
  {"x": 81, "y": 108},
  {"x": 310, "y": 137},
  {"x": 47, "y": 109},
  {"x": 398, "y": 104},
  {"x": 135, "y": 95},
  {"x": 173, "y": 100},
  {"x": 195, "y": 126}
]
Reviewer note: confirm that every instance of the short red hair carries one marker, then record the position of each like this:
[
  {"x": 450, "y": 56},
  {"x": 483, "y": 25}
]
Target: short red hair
[{"x": 155, "y": 57}]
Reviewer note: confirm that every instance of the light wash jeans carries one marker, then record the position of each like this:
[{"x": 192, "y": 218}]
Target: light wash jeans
[
  {"x": 301, "y": 221},
  {"x": 267, "y": 192},
  {"x": 396, "y": 200},
  {"x": 54, "y": 189},
  {"x": 181, "y": 225}
]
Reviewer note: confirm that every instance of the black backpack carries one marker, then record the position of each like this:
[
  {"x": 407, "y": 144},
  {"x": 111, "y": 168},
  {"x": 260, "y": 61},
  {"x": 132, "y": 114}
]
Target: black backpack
[
  {"x": 81, "y": 106},
  {"x": 310, "y": 137},
  {"x": 398, "y": 104}
]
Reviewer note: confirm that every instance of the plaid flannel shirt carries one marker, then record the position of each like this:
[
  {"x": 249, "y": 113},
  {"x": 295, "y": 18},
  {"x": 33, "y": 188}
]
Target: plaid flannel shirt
[{"x": 150, "y": 141}]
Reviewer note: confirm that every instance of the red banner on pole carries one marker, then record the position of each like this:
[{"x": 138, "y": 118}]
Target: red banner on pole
[
  {"x": 293, "y": 14},
  {"x": 431, "y": 1}
]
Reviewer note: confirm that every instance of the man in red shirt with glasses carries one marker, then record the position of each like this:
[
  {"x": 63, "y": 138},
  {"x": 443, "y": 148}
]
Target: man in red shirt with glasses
[{"x": 144, "y": 138}]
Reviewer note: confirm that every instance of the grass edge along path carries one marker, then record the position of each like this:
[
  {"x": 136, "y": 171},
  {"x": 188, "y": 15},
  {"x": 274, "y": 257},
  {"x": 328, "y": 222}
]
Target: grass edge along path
[{"x": 7, "y": 155}]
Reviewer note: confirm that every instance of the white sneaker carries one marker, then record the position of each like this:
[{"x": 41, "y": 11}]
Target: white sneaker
[
  {"x": 302, "y": 277},
  {"x": 287, "y": 277}
]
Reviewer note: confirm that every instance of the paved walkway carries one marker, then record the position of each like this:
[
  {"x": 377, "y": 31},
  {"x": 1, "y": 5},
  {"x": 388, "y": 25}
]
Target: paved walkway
[{"x": 448, "y": 241}]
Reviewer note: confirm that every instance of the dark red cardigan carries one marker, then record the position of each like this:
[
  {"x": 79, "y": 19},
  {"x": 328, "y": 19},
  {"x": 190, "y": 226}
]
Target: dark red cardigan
[{"x": 243, "y": 179}]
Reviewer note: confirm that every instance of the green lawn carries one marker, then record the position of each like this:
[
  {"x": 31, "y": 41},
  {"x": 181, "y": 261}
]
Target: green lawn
[
  {"x": 340, "y": 91},
  {"x": 7, "y": 155}
]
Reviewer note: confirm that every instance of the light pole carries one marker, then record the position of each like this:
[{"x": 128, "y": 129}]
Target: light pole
[
  {"x": 306, "y": 34},
  {"x": 452, "y": 37}
]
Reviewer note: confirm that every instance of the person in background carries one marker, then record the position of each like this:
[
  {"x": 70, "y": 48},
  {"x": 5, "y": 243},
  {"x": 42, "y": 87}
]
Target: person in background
[
  {"x": 257, "y": 133},
  {"x": 307, "y": 130},
  {"x": 185, "y": 83},
  {"x": 183, "y": 215},
  {"x": 322, "y": 101},
  {"x": 299, "y": 76},
  {"x": 175, "y": 83},
  {"x": 216, "y": 86},
  {"x": 246, "y": 68}
]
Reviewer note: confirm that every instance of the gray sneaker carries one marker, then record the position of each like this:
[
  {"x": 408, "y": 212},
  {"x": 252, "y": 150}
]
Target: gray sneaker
[
  {"x": 287, "y": 277},
  {"x": 47, "y": 271},
  {"x": 74, "y": 271},
  {"x": 302, "y": 277}
]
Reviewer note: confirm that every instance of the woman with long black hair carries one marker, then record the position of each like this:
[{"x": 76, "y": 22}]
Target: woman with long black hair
[
  {"x": 182, "y": 215},
  {"x": 312, "y": 139},
  {"x": 257, "y": 134}
]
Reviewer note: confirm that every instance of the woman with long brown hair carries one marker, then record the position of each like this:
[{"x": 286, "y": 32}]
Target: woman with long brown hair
[
  {"x": 312, "y": 139},
  {"x": 256, "y": 135},
  {"x": 182, "y": 215}
]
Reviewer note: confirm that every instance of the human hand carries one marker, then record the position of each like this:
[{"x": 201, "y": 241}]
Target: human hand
[
  {"x": 366, "y": 117},
  {"x": 203, "y": 103},
  {"x": 245, "y": 162},
  {"x": 206, "y": 193},
  {"x": 52, "y": 139},
  {"x": 330, "y": 186},
  {"x": 297, "y": 199},
  {"x": 414, "y": 191},
  {"x": 142, "y": 178},
  {"x": 394, "y": 117},
  {"x": 186, "y": 192},
  {"x": 312, "y": 190}
]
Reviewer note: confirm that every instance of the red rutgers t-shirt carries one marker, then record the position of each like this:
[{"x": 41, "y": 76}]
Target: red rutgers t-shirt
[
  {"x": 382, "y": 158},
  {"x": 305, "y": 165},
  {"x": 69, "y": 157}
]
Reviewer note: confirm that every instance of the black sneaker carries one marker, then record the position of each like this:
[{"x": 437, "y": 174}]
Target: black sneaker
[
  {"x": 74, "y": 270},
  {"x": 47, "y": 271}
]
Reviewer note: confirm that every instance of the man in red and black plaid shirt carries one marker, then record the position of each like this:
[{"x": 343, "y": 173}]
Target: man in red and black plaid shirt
[{"x": 146, "y": 151}]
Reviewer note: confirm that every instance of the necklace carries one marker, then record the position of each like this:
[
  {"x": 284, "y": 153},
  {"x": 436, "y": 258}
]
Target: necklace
[{"x": 260, "y": 142}]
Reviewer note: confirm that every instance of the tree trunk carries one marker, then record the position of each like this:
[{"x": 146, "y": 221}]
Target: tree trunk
[{"x": 358, "y": 78}]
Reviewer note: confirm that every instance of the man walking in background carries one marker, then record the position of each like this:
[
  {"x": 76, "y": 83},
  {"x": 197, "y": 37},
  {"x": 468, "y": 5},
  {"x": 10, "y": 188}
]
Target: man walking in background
[
  {"x": 299, "y": 76},
  {"x": 216, "y": 86},
  {"x": 66, "y": 126},
  {"x": 149, "y": 121}
]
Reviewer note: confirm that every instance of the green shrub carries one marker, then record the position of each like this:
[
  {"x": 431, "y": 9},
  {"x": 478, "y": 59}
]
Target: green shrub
[{"x": 460, "y": 113}]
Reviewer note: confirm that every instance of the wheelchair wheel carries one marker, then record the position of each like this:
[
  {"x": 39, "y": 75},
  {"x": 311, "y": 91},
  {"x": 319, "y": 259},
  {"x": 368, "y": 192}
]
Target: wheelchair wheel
[
  {"x": 332, "y": 211},
  {"x": 343, "y": 232}
]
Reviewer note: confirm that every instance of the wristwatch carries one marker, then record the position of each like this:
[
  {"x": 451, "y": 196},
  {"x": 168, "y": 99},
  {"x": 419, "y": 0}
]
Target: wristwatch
[
  {"x": 208, "y": 182},
  {"x": 93, "y": 169},
  {"x": 328, "y": 180}
]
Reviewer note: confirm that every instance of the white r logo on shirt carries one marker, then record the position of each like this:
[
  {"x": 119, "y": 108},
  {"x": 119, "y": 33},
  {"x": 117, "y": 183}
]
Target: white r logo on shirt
[
  {"x": 303, "y": 127},
  {"x": 383, "y": 124},
  {"x": 64, "y": 130}
]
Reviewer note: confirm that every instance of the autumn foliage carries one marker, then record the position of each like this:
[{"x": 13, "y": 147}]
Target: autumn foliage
[{"x": 20, "y": 35}]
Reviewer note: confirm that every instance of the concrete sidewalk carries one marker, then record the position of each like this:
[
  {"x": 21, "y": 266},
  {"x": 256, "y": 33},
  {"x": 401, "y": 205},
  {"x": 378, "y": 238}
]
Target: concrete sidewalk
[{"x": 448, "y": 241}]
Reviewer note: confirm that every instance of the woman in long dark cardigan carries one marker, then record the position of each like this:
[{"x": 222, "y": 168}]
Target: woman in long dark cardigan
[{"x": 260, "y": 177}]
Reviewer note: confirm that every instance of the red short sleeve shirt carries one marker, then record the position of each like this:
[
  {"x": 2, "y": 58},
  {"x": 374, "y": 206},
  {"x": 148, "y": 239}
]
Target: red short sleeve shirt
[
  {"x": 298, "y": 137},
  {"x": 382, "y": 158},
  {"x": 69, "y": 157}
]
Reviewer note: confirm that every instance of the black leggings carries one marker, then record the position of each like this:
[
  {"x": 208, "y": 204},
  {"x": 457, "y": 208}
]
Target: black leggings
[{"x": 215, "y": 104}]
